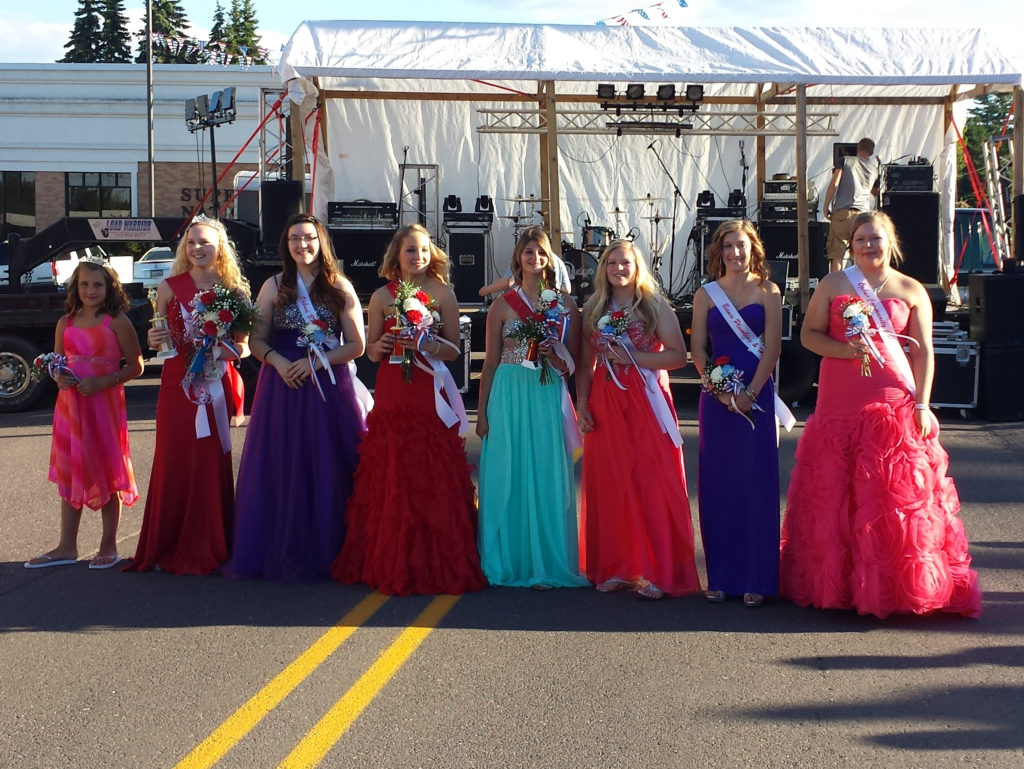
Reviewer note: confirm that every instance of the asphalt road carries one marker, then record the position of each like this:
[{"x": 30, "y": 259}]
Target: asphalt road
[{"x": 105, "y": 669}]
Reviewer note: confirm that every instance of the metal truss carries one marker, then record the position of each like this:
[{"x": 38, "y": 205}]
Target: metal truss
[
  {"x": 661, "y": 121},
  {"x": 275, "y": 138}
]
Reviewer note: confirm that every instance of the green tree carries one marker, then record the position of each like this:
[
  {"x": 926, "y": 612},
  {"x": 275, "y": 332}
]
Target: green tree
[
  {"x": 242, "y": 36},
  {"x": 171, "y": 22},
  {"x": 219, "y": 28},
  {"x": 113, "y": 44},
  {"x": 985, "y": 120},
  {"x": 81, "y": 46}
]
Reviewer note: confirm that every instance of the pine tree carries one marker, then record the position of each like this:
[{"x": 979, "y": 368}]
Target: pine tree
[
  {"x": 169, "y": 20},
  {"x": 113, "y": 42},
  {"x": 219, "y": 28},
  {"x": 242, "y": 36},
  {"x": 81, "y": 46}
]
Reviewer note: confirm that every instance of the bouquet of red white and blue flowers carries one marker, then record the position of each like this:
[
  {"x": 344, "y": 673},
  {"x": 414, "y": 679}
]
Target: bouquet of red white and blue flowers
[{"x": 417, "y": 321}]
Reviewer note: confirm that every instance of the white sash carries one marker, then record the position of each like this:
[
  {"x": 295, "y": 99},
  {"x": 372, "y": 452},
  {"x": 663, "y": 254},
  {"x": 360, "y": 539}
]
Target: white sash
[
  {"x": 750, "y": 341},
  {"x": 363, "y": 397},
  {"x": 447, "y": 399},
  {"x": 886, "y": 330}
]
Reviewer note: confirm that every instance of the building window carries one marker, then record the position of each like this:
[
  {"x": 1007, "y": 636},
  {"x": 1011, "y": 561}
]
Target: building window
[
  {"x": 99, "y": 194},
  {"x": 17, "y": 203}
]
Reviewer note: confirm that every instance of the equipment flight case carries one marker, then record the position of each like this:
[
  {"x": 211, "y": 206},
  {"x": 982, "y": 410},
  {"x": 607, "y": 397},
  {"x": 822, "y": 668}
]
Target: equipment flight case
[{"x": 956, "y": 368}]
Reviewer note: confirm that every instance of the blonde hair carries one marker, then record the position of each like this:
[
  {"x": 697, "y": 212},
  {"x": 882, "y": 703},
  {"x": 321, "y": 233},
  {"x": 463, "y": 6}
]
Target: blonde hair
[
  {"x": 882, "y": 221},
  {"x": 646, "y": 295},
  {"x": 758, "y": 264},
  {"x": 390, "y": 269},
  {"x": 538, "y": 235},
  {"x": 228, "y": 271}
]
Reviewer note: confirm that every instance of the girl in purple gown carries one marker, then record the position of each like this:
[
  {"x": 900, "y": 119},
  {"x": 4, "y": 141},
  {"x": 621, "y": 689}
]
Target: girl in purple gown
[
  {"x": 738, "y": 477},
  {"x": 300, "y": 451}
]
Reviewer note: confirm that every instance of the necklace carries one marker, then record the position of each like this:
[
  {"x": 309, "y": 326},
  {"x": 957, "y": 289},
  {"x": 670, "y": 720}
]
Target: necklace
[{"x": 881, "y": 285}]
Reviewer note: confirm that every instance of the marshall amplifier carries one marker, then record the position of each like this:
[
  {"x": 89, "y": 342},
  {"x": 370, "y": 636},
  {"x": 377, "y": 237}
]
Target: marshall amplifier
[
  {"x": 360, "y": 253},
  {"x": 909, "y": 178}
]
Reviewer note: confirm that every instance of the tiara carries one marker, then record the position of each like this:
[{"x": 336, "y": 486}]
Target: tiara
[
  {"x": 97, "y": 260},
  {"x": 201, "y": 219}
]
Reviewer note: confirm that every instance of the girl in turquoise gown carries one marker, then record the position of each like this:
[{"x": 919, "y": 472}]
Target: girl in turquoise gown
[{"x": 528, "y": 522}]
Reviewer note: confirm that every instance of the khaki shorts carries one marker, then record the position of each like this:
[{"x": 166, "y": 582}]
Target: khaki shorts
[{"x": 839, "y": 230}]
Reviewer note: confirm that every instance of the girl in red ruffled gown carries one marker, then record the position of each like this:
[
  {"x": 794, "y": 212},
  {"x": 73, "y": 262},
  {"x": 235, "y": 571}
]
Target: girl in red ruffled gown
[
  {"x": 636, "y": 531},
  {"x": 872, "y": 519},
  {"x": 89, "y": 456},
  {"x": 411, "y": 520},
  {"x": 189, "y": 516}
]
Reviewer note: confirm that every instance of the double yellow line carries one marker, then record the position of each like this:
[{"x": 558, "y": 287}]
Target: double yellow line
[{"x": 329, "y": 729}]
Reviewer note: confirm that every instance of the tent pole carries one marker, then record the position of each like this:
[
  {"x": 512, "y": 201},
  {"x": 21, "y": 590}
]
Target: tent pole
[
  {"x": 801, "y": 196},
  {"x": 549, "y": 163},
  {"x": 1017, "y": 186}
]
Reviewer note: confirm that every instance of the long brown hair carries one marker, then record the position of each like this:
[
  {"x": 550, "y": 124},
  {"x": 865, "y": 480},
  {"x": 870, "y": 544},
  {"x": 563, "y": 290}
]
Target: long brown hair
[
  {"x": 646, "y": 296},
  {"x": 322, "y": 290},
  {"x": 758, "y": 264},
  {"x": 116, "y": 300},
  {"x": 541, "y": 237},
  {"x": 390, "y": 269}
]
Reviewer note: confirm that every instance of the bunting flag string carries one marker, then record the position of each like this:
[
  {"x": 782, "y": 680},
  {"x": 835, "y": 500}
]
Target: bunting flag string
[
  {"x": 665, "y": 12},
  {"x": 212, "y": 53}
]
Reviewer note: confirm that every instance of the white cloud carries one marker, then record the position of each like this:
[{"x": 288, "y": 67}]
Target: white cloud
[{"x": 24, "y": 41}]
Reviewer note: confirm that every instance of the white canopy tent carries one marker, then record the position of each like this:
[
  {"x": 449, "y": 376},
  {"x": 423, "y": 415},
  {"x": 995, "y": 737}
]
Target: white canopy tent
[{"x": 512, "y": 110}]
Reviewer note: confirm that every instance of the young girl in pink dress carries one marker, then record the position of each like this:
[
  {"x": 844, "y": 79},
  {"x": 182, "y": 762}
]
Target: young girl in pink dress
[{"x": 89, "y": 457}]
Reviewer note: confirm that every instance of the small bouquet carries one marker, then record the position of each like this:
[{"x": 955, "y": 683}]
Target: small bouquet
[
  {"x": 857, "y": 316},
  {"x": 52, "y": 364},
  {"x": 725, "y": 379},
  {"x": 217, "y": 313},
  {"x": 548, "y": 321},
  {"x": 613, "y": 325},
  {"x": 417, "y": 317}
]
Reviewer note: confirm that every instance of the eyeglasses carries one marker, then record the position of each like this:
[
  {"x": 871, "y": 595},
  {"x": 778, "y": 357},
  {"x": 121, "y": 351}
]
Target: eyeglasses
[{"x": 303, "y": 238}]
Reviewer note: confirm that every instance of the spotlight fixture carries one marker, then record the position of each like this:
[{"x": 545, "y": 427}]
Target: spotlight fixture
[
  {"x": 452, "y": 204},
  {"x": 706, "y": 199},
  {"x": 695, "y": 93},
  {"x": 666, "y": 92},
  {"x": 737, "y": 199},
  {"x": 635, "y": 91},
  {"x": 484, "y": 205},
  {"x": 606, "y": 91}
]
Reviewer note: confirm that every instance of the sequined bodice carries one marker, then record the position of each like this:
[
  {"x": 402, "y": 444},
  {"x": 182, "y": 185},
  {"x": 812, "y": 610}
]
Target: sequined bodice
[
  {"x": 289, "y": 318},
  {"x": 512, "y": 350}
]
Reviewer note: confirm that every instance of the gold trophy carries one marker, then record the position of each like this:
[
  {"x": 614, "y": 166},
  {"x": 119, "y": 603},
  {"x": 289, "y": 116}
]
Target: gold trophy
[{"x": 159, "y": 322}]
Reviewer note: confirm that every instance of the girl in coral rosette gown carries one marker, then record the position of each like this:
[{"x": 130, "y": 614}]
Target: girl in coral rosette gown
[
  {"x": 635, "y": 515},
  {"x": 296, "y": 472},
  {"x": 412, "y": 514},
  {"x": 187, "y": 525},
  {"x": 872, "y": 519}
]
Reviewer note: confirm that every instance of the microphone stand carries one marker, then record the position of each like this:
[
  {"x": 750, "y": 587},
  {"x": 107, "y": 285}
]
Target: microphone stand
[{"x": 676, "y": 197}]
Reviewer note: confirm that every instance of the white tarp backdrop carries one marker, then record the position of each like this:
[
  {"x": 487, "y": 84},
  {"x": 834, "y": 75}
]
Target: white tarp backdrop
[{"x": 601, "y": 173}]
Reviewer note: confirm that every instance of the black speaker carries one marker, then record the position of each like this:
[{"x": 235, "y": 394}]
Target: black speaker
[
  {"x": 1000, "y": 396},
  {"x": 916, "y": 218},
  {"x": 995, "y": 303},
  {"x": 779, "y": 239},
  {"x": 279, "y": 201},
  {"x": 467, "y": 252},
  {"x": 360, "y": 253}
]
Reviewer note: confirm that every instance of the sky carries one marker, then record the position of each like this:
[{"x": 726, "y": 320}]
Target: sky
[{"x": 37, "y": 31}]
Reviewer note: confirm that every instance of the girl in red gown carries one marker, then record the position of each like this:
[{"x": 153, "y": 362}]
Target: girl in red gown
[
  {"x": 635, "y": 515},
  {"x": 871, "y": 517},
  {"x": 411, "y": 518},
  {"x": 187, "y": 526},
  {"x": 89, "y": 456}
]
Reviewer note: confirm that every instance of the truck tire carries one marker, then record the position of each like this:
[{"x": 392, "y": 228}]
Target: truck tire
[
  {"x": 798, "y": 371},
  {"x": 18, "y": 391}
]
